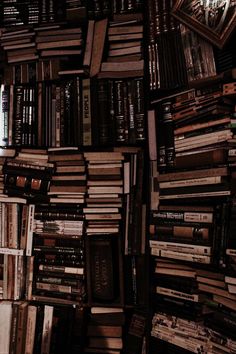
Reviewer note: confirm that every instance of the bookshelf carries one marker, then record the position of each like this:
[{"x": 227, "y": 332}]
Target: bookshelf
[
  {"x": 117, "y": 182},
  {"x": 72, "y": 205},
  {"x": 190, "y": 136}
]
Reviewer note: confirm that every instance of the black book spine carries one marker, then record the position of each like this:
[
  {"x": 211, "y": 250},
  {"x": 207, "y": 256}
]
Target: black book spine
[
  {"x": 139, "y": 110},
  {"x": 97, "y": 9},
  {"x": 103, "y": 113},
  {"x": 119, "y": 111},
  {"x": 68, "y": 113},
  {"x": 17, "y": 123},
  {"x": 5, "y": 111}
]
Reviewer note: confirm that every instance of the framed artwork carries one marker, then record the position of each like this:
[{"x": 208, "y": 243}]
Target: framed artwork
[{"x": 213, "y": 19}]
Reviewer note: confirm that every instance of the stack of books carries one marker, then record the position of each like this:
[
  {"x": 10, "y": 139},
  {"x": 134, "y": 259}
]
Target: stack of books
[
  {"x": 195, "y": 124},
  {"x": 105, "y": 189},
  {"x": 125, "y": 50},
  {"x": 104, "y": 331},
  {"x": 28, "y": 175},
  {"x": 59, "y": 42},
  {"x": 58, "y": 254},
  {"x": 191, "y": 228},
  {"x": 68, "y": 183},
  {"x": 19, "y": 45},
  {"x": 190, "y": 335}
]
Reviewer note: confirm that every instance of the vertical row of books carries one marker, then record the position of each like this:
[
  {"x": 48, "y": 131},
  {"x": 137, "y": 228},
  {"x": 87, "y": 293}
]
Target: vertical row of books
[
  {"x": 192, "y": 179},
  {"x": 72, "y": 206}
]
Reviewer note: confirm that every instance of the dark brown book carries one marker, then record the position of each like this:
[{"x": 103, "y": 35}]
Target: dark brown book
[
  {"x": 60, "y": 52},
  {"x": 103, "y": 269},
  {"x": 89, "y": 43},
  {"x": 125, "y": 29},
  {"x": 52, "y": 32},
  {"x": 125, "y": 51},
  {"x": 55, "y": 38},
  {"x": 100, "y": 30},
  {"x": 107, "y": 342},
  {"x": 202, "y": 158},
  {"x": 128, "y": 66},
  {"x": 182, "y": 175},
  {"x": 67, "y": 189},
  {"x": 60, "y": 44},
  {"x": 125, "y": 37},
  {"x": 70, "y": 156},
  {"x": 124, "y": 58},
  {"x": 120, "y": 45},
  {"x": 104, "y": 331}
]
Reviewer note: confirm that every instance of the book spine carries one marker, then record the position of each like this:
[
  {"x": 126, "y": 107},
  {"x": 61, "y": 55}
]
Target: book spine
[
  {"x": 161, "y": 147},
  {"x": 178, "y": 294},
  {"x": 174, "y": 217},
  {"x": 169, "y": 133},
  {"x": 30, "y": 326},
  {"x": 139, "y": 109},
  {"x": 17, "y": 119},
  {"x": 131, "y": 107},
  {"x": 103, "y": 114},
  {"x": 47, "y": 329},
  {"x": 30, "y": 229},
  {"x": 181, "y": 256},
  {"x": 119, "y": 111},
  {"x": 182, "y": 247}
]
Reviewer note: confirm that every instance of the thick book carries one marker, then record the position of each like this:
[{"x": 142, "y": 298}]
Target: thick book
[
  {"x": 103, "y": 269},
  {"x": 100, "y": 29},
  {"x": 200, "y": 158},
  {"x": 136, "y": 333}
]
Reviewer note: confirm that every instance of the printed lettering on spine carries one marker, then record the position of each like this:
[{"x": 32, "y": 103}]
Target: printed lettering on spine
[{"x": 103, "y": 266}]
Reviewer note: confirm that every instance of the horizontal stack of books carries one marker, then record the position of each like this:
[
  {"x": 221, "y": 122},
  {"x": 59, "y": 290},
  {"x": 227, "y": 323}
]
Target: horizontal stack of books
[
  {"x": 105, "y": 330},
  {"x": 125, "y": 50}
]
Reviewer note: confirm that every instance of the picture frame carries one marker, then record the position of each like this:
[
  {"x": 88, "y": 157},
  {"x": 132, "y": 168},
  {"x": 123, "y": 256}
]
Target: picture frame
[{"x": 215, "y": 20}]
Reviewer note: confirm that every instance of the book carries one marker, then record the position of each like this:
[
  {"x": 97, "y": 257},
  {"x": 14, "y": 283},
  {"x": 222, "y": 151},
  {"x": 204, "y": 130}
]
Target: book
[
  {"x": 100, "y": 29},
  {"x": 201, "y": 158},
  {"x": 30, "y": 328},
  {"x": 6, "y": 316},
  {"x": 104, "y": 331},
  {"x": 47, "y": 329},
  {"x": 189, "y": 257},
  {"x": 179, "y": 294},
  {"x": 136, "y": 332},
  {"x": 182, "y": 247},
  {"x": 125, "y": 66},
  {"x": 107, "y": 342},
  {"x": 59, "y": 44},
  {"x": 103, "y": 286},
  {"x": 106, "y": 310},
  {"x": 218, "y": 171},
  {"x": 89, "y": 43}
]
